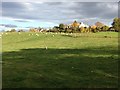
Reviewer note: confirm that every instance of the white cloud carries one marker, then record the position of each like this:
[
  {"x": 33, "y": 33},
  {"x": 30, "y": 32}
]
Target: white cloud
[
  {"x": 59, "y": 12},
  {"x": 16, "y": 19},
  {"x": 28, "y": 6},
  {"x": 60, "y": 1}
]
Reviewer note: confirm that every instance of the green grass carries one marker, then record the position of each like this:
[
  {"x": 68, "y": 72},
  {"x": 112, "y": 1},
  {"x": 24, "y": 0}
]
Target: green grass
[{"x": 87, "y": 60}]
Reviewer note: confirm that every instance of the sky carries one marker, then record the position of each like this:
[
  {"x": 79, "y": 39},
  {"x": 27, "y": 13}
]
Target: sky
[{"x": 49, "y": 14}]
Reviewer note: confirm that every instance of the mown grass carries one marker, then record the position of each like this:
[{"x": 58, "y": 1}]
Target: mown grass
[{"x": 60, "y": 60}]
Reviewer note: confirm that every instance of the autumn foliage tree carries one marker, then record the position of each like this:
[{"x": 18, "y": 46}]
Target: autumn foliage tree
[
  {"x": 99, "y": 24},
  {"x": 93, "y": 28},
  {"x": 116, "y": 24},
  {"x": 75, "y": 24},
  {"x": 32, "y": 30}
]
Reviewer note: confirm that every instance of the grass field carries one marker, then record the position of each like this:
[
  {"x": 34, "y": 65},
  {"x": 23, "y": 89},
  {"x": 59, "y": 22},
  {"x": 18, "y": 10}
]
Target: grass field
[{"x": 40, "y": 60}]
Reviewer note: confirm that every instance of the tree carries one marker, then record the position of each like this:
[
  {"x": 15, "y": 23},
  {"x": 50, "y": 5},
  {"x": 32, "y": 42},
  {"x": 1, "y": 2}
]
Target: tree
[
  {"x": 75, "y": 24},
  {"x": 82, "y": 29},
  {"x": 99, "y": 24},
  {"x": 55, "y": 29},
  {"x": 68, "y": 30},
  {"x": 116, "y": 24},
  {"x": 61, "y": 26},
  {"x": 32, "y": 30},
  {"x": 105, "y": 28},
  {"x": 87, "y": 29},
  {"x": 93, "y": 28},
  {"x": 111, "y": 29},
  {"x": 13, "y": 30},
  {"x": 21, "y": 30},
  {"x": 98, "y": 29}
]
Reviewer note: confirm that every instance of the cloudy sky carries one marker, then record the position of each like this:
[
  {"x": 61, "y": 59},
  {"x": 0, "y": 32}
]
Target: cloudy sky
[{"x": 49, "y": 14}]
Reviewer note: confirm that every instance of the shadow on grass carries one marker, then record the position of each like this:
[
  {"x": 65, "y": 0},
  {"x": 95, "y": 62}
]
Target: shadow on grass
[
  {"x": 90, "y": 36},
  {"x": 60, "y": 68}
]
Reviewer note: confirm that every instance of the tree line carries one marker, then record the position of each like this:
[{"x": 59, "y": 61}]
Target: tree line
[
  {"x": 98, "y": 27},
  {"x": 76, "y": 27}
]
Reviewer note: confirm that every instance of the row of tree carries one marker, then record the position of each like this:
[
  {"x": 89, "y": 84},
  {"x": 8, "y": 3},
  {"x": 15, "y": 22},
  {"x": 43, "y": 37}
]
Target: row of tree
[
  {"x": 76, "y": 28},
  {"x": 98, "y": 27},
  {"x": 82, "y": 29},
  {"x": 13, "y": 30}
]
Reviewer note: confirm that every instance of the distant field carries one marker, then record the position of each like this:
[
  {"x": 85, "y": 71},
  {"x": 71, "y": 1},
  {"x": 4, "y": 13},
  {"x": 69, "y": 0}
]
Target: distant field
[{"x": 54, "y": 60}]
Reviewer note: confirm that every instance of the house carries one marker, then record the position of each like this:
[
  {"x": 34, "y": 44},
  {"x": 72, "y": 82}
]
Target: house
[{"x": 83, "y": 25}]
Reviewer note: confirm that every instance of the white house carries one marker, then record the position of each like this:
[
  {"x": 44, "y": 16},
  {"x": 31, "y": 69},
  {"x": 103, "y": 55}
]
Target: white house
[{"x": 83, "y": 25}]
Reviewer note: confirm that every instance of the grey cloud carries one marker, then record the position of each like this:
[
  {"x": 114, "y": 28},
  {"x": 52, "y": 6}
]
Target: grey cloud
[
  {"x": 53, "y": 3},
  {"x": 12, "y": 5},
  {"x": 21, "y": 20},
  {"x": 12, "y": 9},
  {"x": 94, "y": 9},
  {"x": 59, "y": 12},
  {"x": 61, "y": 0},
  {"x": 8, "y": 25},
  {"x": 119, "y": 9}
]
